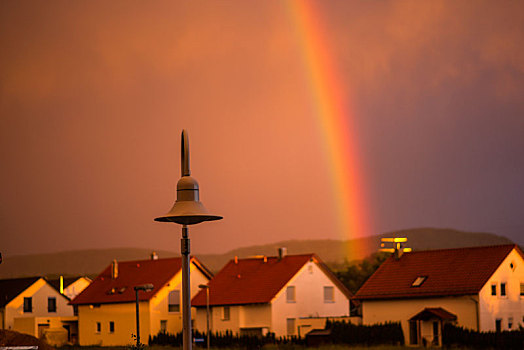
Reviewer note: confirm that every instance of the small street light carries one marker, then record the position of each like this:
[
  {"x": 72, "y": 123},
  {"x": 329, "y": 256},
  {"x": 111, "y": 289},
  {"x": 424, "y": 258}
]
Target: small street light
[
  {"x": 206, "y": 287},
  {"x": 187, "y": 210},
  {"x": 146, "y": 288}
]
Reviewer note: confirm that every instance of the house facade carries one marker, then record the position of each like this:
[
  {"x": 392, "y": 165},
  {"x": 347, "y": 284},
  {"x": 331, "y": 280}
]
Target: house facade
[
  {"x": 107, "y": 307},
  {"x": 32, "y": 306},
  {"x": 480, "y": 288},
  {"x": 288, "y": 295},
  {"x": 70, "y": 286}
]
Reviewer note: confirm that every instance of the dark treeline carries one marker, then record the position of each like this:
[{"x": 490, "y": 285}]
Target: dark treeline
[
  {"x": 340, "y": 333},
  {"x": 354, "y": 274},
  {"x": 458, "y": 336},
  {"x": 381, "y": 334}
]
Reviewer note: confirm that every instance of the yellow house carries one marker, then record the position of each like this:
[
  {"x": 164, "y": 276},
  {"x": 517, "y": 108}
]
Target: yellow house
[
  {"x": 286, "y": 295},
  {"x": 32, "y": 306},
  {"x": 107, "y": 307},
  {"x": 480, "y": 288}
]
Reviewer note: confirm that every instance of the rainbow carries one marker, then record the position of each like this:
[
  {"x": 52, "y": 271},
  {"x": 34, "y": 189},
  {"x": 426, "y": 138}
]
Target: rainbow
[{"x": 334, "y": 111}]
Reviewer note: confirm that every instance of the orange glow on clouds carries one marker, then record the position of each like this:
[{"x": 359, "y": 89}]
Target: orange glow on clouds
[{"x": 333, "y": 109}]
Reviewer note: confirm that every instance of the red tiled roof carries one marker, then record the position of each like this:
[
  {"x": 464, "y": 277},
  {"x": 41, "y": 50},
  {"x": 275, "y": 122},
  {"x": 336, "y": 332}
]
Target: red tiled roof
[
  {"x": 105, "y": 290},
  {"x": 448, "y": 272},
  {"x": 256, "y": 280},
  {"x": 432, "y": 312}
]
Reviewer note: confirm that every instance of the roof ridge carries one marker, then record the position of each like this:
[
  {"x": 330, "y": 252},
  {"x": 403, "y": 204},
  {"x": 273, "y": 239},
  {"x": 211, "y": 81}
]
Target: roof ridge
[
  {"x": 145, "y": 260},
  {"x": 463, "y": 248},
  {"x": 260, "y": 256}
]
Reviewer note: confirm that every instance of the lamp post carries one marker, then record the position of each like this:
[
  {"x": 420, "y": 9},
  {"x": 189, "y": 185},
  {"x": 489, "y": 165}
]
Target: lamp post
[
  {"x": 187, "y": 210},
  {"x": 206, "y": 287},
  {"x": 146, "y": 288}
]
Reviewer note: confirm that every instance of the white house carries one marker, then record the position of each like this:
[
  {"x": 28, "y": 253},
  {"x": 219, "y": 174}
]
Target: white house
[
  {"x": 32, "y": 306},
  {"x": 70, "y": 286},
  {"x": 287, "y": 295},
  {"x": 480, "y": 288}
]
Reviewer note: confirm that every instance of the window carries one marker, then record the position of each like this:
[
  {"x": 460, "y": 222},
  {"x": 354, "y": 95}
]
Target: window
[
  {"x": 510, "y": 322},
  {"x": 329, "y": 294},
  {"x": 498, "y": 325},
  {"x": 174, "y": 301},
  {"x": 290, "y": 323},
  {"x": 493, "y": 289},
  {"x": 28, "y": 304},
  {"x": 418, "y": 281},
  {"x": 111, "y": 327},
  {"x": 98, "y": 327},
  {"x": 503, "y": 289},
  {"x": 51, "y": 304},
  {"x": 163, "y": 326},
  {"x": 226, "y": 313},
  {"x": 290, "y": 294},
  {"x": 522, "y": 289}
]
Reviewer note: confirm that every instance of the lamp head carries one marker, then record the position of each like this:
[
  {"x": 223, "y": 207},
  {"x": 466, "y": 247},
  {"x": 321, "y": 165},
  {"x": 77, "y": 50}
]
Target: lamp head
[{"x": 187, "y": 210}]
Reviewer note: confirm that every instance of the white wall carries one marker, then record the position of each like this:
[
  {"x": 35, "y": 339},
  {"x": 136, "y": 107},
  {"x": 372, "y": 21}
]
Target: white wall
[
  {"x": 39, "y": 292},
  {"x": 500, "y": 307},
  {"x": 309, "y": 285},
  {"x": 76, "y": 287}
]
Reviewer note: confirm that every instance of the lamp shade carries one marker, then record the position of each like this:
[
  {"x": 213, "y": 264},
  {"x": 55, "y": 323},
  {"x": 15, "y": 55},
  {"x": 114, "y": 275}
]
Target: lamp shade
[{"x": 187, "y": 210}]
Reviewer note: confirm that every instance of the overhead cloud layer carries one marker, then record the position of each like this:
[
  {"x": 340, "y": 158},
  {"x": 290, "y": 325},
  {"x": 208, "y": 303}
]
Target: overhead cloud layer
[{"x": 93, "y": 96}]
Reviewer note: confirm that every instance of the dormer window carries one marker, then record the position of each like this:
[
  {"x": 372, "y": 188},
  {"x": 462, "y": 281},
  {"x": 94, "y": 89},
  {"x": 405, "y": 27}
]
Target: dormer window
[{"x": 418, "y": 281}]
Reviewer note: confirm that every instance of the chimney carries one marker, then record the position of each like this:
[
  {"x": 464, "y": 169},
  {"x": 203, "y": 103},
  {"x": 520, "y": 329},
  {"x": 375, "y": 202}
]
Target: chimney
[
  {"x": 236, "y": 259},
  {"x": 114, "y": 269},
  {"x": 282, "y": 252},
  {"x": 154, "y": 256}
]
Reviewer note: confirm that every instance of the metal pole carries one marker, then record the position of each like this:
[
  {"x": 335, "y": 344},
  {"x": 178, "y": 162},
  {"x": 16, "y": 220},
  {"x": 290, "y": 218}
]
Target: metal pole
[
  {"x": 186, "y": 291},
  {"x": 137, "y": 322},
  {"x": 207, "y": 309}
]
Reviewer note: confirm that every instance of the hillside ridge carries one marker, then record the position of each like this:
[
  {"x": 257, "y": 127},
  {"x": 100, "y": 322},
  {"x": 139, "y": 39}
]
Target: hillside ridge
[{"x": 334, "y": 252}]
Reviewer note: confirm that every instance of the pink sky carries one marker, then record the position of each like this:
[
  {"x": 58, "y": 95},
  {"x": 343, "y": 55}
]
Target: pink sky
[{"x": 93, "y": 96}]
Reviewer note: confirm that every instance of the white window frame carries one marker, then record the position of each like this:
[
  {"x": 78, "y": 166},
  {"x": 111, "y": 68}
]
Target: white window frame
[
  {"x": 494, "y": 285},
  {"x": 329, "y": 294},
  {"x": 173, "y": 295},
  {"x": 291, "y": 326},
  {"x": 48, "y": 304},
  {"x": 291, "y": 294},
  {"x": 505, "y": 295},
  {"x": 226, "y": 313}
]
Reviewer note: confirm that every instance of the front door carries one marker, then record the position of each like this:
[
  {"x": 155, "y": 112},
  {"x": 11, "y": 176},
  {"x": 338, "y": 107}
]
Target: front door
[
  {"x": 435, "y": 333},
  {"x": 41, "y": 329},
  {"x": 413, "y": 332}
]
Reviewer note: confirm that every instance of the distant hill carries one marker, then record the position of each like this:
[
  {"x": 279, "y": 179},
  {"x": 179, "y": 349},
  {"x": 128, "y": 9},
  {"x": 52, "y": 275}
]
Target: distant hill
[{"x": 333, "y": 252}]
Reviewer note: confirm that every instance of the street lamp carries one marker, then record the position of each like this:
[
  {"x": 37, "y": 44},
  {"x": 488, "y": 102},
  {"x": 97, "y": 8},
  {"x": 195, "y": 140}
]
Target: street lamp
[
  {"x": 206, "y": 287},
  {"x": 146, "y": 288},
  {"x": 187, "y": 210}
]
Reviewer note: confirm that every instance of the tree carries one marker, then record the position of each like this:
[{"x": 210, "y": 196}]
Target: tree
[{"x": 356, "y": 273}]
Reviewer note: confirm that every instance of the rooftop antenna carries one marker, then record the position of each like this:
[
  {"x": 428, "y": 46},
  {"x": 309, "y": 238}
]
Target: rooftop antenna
[{"x": 397, "y": 242}]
